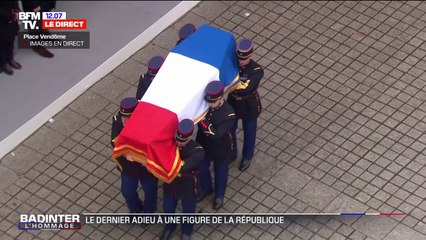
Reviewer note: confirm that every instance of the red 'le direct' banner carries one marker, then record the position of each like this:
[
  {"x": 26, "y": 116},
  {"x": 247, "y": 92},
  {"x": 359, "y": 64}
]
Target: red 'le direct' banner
[{"x": 61, "y": 24}]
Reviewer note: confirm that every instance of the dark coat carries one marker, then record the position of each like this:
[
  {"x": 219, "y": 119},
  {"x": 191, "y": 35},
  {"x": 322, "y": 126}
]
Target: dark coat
[
  {"x": 185, "y": 185},
  {"x": 217, "y": 142},
  {"x": 133, "y": 168},
  {"x": 144, "y": 83},
  {"x": 246, "y": 102},
  {"x": 8, "y": 27},
  {"x": 45, "y": 5}
]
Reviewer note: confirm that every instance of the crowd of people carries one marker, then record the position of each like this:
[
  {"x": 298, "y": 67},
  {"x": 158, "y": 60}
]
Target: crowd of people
[
  {"x": 215, "y": 141},
  {"x": 9, "y": 28}
]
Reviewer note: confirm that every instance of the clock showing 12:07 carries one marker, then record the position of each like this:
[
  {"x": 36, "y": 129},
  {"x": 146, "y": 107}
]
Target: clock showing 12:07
[{"x": 54, "y": 15}]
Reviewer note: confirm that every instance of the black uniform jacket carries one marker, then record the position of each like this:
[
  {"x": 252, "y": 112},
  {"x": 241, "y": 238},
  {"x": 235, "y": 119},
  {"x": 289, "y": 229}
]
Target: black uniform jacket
[
  {"x": 217, "y": 141},
  {"x": 144, "y": 83},
  {"x": 246, "y": 101},
  {"x": 8, "y": 29},
  {"x": 185, "y": 185},
  {"x": 134, "y": 168}
]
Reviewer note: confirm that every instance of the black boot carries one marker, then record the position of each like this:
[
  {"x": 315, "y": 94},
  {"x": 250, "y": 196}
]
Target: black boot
[
  {"x": 245, "y": 163},
  {"x": 15, "y": 64},
  {"x": 6, "y": 68},
  {"x": 218, "y": 203}
]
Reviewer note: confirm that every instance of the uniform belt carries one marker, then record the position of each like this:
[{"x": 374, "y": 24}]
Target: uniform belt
[{"x": 239, "y": 98}]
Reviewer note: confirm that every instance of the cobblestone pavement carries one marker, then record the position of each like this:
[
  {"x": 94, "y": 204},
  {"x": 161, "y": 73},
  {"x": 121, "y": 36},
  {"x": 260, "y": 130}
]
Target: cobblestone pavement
[{"x": 342, "y": 129}]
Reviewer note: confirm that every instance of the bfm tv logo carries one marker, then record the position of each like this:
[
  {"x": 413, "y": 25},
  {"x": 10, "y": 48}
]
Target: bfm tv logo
[{"x": 50, "y": 21}]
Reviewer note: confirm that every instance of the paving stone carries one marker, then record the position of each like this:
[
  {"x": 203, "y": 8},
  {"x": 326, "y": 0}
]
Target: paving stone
[
  {"x": 23, "y": 158},
  {"x": 89, "y": 104},
  {"x": 376, "y": 228},
  {"x": 167, "y": 39},
  {"x": 210, "y": 10},
  {"x": 266, "y": 164},
  {"x": 289, "y": 180},
  {"x": 130, "y": 71},
  {"x": 343, "y": 203},
  {"x": 147, "y": 52},
  {"x": 345, "y": 230},
  {"x": 317, "y": 194},
  {"x": 102, "y": 88},
  {"x": 67, "y": 122},
  {"x": 421, "y": 227},
  {"x": 7, "y": 177}
]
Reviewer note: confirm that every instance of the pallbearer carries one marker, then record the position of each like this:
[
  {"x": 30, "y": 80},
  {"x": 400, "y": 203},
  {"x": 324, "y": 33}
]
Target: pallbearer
[
  {"x": 214, "y": 134},
  {"x": 185, "y": 186},
  {"x": 133, "y": 172},
  {"x": 154, "y": 65},
  {"x": 246, "y": 101}
]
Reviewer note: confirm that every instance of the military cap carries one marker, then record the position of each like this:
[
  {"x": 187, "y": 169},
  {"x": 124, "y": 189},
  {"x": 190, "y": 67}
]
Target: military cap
[
  {"x": 155, "y": 63},
  {"x": 184, "y": 130},
  {"x": 186, "y": 30},
  {"x": 244, "y": 48},
  {"x": 214, "y": 91},
  {"x": 128, "y": 105}
]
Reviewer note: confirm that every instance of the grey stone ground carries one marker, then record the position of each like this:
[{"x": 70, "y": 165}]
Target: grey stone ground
[{"x": 342, "y": 129}]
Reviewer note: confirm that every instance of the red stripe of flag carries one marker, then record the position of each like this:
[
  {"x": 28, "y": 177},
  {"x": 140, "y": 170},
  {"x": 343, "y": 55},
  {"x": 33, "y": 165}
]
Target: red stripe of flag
[
  {"x": 151, "y": 130},
  {"x": 392, "y": 214}
]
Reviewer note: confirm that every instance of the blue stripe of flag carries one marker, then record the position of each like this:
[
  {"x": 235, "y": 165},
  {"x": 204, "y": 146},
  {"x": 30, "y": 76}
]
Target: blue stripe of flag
[
  {"x": 352, "y": 214},
  {"x": 214, "y": 47}
]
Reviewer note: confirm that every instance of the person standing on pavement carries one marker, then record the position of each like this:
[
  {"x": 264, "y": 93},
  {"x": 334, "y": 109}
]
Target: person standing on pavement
[
  {"x": 214, "y": 134},
  {"x": 39, "y": 6},
  {"x": 154, "y": 65},
  {"x": 8, "y": 30},
  {"x": 185, "y": 186},
  {"x": 133, "y": 172},
  {"x": 246, "y": 101}
]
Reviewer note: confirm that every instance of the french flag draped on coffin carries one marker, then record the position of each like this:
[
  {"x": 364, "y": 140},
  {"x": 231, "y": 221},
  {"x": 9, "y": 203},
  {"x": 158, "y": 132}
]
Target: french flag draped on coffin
[{"x": 177, "y": 93}]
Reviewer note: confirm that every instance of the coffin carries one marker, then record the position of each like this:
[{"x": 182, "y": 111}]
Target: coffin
[{"x": 177, "y": 93}]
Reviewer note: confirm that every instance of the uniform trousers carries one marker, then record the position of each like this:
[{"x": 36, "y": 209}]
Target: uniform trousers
[
  {"x": 188, "y": 206},
  {"x": 220, "y": 174},
  {"x": 249, "y": 129},
  {"x": 129, "y": 189}
]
